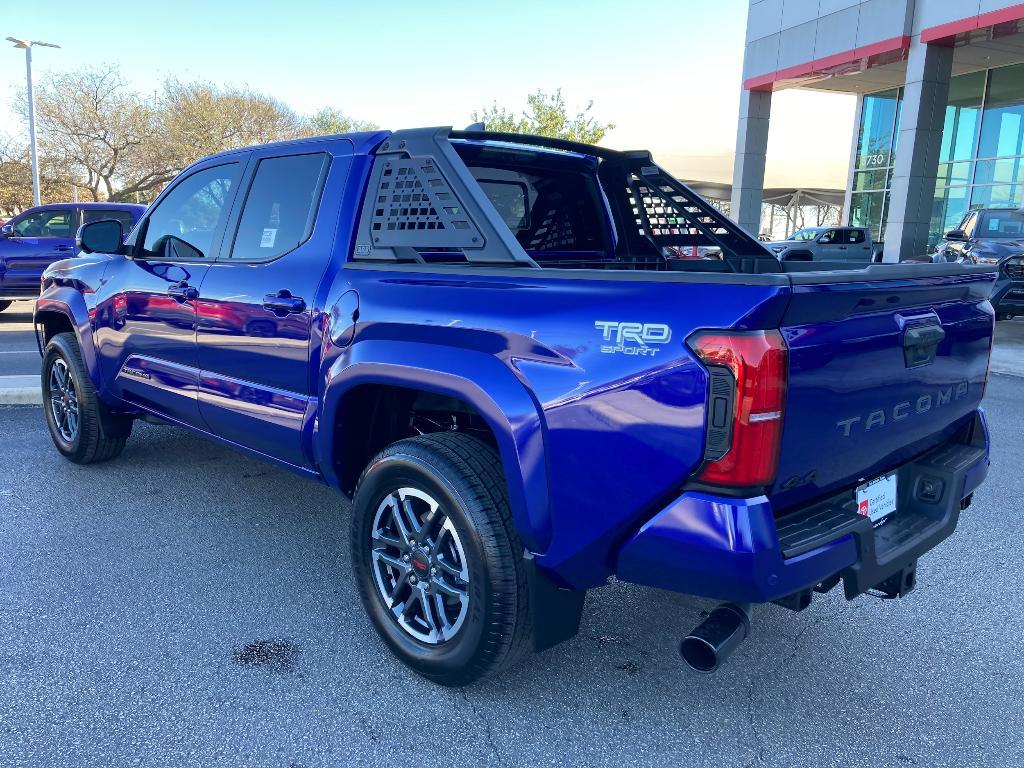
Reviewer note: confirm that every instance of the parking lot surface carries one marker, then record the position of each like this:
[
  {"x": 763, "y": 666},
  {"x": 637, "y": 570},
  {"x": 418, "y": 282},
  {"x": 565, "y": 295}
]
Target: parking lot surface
[
  {"x": 18, "y": 351},
  {"x": 185, "y": 605}
]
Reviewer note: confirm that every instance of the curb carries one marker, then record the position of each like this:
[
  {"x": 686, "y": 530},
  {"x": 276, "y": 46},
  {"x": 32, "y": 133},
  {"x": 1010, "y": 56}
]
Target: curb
[{"x": 20, "y": 390}]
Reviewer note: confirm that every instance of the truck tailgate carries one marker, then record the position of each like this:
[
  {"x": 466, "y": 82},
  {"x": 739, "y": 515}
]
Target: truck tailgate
[{"x": 884, "y": 364}]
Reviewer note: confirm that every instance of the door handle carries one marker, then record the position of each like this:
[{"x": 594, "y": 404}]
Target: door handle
[
  {"x": 284, "y": 303},
  {"x": 65, "y": 248},
  {"x": 182, "y": 291}
]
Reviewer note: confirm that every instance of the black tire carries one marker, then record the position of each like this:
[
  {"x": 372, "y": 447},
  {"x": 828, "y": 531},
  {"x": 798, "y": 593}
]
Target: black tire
[
  {"x": 465, "y": 477},
  {"x": 4, "y": 305},
  {"x": 100, "y": 434}
]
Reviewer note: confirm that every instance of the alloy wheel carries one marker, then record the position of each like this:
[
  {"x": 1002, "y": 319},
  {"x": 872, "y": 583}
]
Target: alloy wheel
[
  {"x": 63, "y": 401},
  {"x": 419, "y": 566}
]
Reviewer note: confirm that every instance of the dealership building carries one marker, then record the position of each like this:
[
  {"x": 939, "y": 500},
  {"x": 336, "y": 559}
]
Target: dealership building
[{"x": 939, "y": 126}]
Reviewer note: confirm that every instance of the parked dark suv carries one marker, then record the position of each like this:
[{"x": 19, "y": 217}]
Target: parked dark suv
[
  {"x": 36, "y": 238},
  {"x": 992, "y": 236}
]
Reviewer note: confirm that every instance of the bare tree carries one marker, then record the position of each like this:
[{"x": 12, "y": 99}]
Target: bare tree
[
  {"x": 117, "y": 144},
  {"x": 199, "y": 119},
  {"x": 16, "y": 179},
  {"x": 105, "y": 135}
]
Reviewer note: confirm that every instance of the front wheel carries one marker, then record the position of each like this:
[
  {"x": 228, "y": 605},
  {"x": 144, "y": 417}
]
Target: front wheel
[
  {"x": 82, "y": 428},
  {"x": 437, "y": 560}
]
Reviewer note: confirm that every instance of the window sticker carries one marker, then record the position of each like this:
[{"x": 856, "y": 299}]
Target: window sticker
[
  {"x": 269, "y": 236},
  {"x": 993, "y": 224}
]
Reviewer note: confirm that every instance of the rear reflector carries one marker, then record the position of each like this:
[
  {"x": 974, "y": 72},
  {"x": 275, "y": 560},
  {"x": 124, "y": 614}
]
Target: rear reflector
[{"x": 748, "y": 373}]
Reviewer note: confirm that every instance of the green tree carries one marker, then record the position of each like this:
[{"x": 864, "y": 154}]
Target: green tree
[
  {"x": 546, "y": 114},
  {"x": 330, "y": 120}
]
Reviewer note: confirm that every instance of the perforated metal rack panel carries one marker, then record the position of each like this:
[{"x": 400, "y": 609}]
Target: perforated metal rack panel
[
  {"x": 416, "y": 206},
  {"x": 422, "y": 197}
]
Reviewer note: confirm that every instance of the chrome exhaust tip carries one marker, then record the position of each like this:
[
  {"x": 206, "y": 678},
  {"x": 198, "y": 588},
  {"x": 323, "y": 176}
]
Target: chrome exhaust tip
[{"x": 712, "y": 641}]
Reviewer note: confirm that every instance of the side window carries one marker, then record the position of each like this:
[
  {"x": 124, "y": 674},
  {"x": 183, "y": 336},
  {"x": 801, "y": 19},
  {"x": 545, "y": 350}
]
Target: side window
[
  {"x": 99, "y": 214},
  {"x": 55, "y": 223},
  {"x": 968, "y": 225},
  {"x": 280, "y": 207},
  {"x": 183, "y": 224},
  {"x": 855, "y": 236}
]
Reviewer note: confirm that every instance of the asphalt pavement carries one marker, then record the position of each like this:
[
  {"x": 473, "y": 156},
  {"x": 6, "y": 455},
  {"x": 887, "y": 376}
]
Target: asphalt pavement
[
  {"x": 185, "y": 605},
  {"x": 18, "y": 352}
]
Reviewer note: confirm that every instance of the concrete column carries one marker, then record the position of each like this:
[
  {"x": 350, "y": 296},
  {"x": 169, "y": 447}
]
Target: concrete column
[
  {"x": 848, "y": 197},
  {"x": 925, "y": 96},
  {"x": 751, "y": 153}
]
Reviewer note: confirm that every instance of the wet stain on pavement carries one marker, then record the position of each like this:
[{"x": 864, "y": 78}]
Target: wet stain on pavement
[{"x": 272, "y": 655}]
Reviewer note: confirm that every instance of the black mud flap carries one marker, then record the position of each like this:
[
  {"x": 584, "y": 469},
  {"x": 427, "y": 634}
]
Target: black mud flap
[{"x": 556, "y": 612}]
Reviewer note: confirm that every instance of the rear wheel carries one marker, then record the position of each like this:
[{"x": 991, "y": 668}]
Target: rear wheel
[
  {"x": 437, "y": 560},
  {"x": 83, "y": 429}
]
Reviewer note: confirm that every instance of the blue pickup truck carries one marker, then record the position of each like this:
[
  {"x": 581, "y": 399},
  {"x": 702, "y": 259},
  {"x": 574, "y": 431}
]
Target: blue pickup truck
[
  {"x": 37, "y": 237},
  {"x": 483, "y": 341}
]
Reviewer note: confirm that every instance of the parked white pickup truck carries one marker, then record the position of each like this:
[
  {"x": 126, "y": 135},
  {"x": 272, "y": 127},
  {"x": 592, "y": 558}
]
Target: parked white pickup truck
[{"x": 828, "y": 244}]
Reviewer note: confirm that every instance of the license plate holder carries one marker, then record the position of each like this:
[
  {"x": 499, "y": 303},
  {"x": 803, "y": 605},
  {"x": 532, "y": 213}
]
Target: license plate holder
[{"x": 876, "y": 499}]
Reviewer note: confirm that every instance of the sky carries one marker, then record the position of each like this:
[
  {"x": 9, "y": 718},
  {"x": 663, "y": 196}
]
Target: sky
[{"x": 666, "y": 72}]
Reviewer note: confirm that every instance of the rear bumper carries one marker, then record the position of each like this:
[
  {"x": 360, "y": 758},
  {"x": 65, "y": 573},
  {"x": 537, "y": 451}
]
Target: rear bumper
[{"x": 735, "y": 549}]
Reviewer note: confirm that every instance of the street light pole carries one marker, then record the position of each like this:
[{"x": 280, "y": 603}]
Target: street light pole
[
  {"x": 27, "y": 45},
  {"x": 32, "y": 125}
]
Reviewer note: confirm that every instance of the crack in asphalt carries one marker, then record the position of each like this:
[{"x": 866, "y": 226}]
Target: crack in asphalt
[
  {"x": 488, "y": 731},
  {"x": 759, "y": 746}
]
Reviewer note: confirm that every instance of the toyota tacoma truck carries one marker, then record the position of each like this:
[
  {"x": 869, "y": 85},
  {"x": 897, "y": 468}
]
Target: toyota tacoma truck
[
  {"x": 483, "y": 341},
  {"x": 36, "y": 238},
  {"x": 831, "y": 246}
]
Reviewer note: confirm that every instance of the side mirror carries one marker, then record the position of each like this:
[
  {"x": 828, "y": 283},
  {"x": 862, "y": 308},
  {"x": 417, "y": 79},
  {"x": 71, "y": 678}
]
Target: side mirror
[
  {"x": 6, "y": 230},
  {"x": 956, "y": 234},
  {"x": 824, "y": 240},
  {"x": 103, "y": 236}
]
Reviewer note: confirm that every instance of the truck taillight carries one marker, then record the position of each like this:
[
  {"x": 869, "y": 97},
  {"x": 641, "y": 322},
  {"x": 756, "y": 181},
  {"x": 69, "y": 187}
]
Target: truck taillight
[{"x": 747, "y": 396}]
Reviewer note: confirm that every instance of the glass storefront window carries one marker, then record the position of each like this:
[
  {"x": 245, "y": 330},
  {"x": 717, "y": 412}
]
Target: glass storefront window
[
  {"x": 997, "y": 196},
  {"x": 954, "y": 173},
  {"x": 981, "y": 161},
  {"x": 948, "y": 210},
  {"x": 867, "y": 209},
  {"x": 1007, "y": 171},
  {"x": 878, "y": 120},
  {"x": 869, "y": 180},
  {"x": 1002, "y": 127},
  {"x": 960, "y": 129}
]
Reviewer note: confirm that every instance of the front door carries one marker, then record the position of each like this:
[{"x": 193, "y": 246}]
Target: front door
[
  {"x": 146, "y": 323},
  {"x": 256, "y": 312},
  {"x": 38, "y": 239}
]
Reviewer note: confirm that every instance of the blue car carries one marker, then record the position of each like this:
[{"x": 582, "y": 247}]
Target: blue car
[
  {"x": 36, "y": 238},
  {"x": 487, "y": 342}
]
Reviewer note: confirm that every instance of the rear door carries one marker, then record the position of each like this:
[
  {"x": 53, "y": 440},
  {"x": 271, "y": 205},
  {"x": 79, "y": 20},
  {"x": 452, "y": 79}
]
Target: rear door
[
  {"x": 879, "y": 370},
  {"x": 858, "y": 246},
  {"x": 257, "y": 311},
  {"x": 38, "y": 239},
  {"x": 146, "y": 330}
]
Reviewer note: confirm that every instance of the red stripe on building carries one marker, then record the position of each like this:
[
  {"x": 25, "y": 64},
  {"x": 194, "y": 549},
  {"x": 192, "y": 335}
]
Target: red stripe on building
[
  {"x": 945, "y": 34},
  {"x": 828, "y": 66}
]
